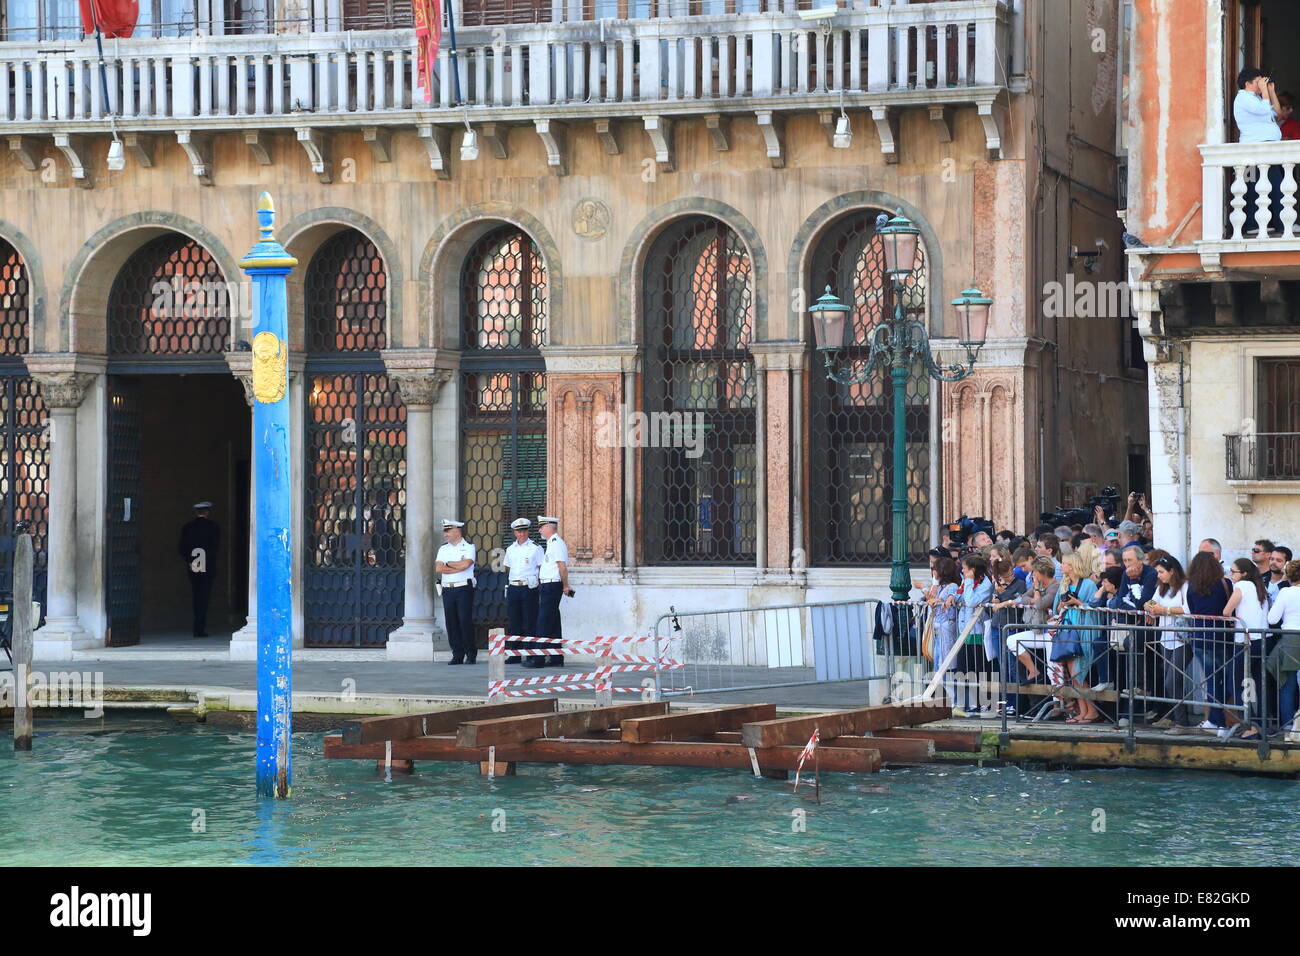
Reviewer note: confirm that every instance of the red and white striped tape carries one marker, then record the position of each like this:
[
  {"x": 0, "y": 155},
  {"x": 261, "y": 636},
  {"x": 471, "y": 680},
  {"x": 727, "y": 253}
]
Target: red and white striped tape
[
  {"x": 602, "y": 647},
  {"x": 497, "y": 643}
]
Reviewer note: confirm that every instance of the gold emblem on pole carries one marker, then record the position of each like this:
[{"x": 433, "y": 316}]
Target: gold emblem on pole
[{"x": 269, "y": 375}]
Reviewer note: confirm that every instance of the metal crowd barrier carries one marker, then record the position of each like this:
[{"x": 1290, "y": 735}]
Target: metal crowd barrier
[
  {"x": 784, "y": 645},
  {"x": 1186, "y": 671}
]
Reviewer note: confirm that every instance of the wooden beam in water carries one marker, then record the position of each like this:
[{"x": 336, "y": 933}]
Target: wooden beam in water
[
  {"x": 368, "y": 730},
  {"x": 952, "y": 741},
  {"x": 515, "y": 729},
  {"x": 696, "y": 723},
  {"x": 787, "y": 731},
  {"x": 892, "y": 750},
  {"x": 592, "y": 751}
]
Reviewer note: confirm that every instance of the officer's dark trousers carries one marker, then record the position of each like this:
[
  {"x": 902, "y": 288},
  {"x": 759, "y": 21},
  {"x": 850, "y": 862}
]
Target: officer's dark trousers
[
  {"x": 200, "y": 595},
  {"x": 458, "y": 609},
  {"x": 521, "y": 614},
  {"x": 548, "y": 614}
]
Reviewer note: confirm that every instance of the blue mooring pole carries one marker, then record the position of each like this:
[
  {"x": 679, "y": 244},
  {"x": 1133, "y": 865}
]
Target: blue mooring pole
[{"x": 267, "y": 264}]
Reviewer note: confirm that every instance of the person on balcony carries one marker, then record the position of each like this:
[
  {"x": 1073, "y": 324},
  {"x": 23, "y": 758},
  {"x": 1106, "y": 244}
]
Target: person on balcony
[
  {"x": 1290, "y": 125},
  {"x": 1257, "y": 112}
]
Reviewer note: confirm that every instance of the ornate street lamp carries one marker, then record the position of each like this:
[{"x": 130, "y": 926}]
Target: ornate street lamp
[{"x": 896, "y": 344}]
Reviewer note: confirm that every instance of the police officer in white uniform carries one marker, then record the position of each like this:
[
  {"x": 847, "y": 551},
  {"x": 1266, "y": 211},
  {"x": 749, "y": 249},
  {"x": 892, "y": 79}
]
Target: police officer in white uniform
[
  {"x": 455, "y": 562},
  {"x": 554, "y": 577},
  {"x": 523, "y": 562}
]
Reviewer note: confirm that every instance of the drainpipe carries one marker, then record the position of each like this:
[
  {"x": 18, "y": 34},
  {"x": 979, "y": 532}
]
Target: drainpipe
[{"x": 1184, "y": 479}]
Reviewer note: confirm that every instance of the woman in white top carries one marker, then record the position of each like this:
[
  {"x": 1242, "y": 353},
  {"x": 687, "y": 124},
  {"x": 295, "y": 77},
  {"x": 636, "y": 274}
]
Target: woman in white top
[
  {"x": 1249, "y": 605},
  {"x": 1168, "y": 604},
  {"x": 1249, "y": 600}
]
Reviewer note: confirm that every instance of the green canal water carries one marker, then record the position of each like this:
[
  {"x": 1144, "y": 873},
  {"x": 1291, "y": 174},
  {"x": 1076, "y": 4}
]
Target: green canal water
[{"x": 144, "y": 795}]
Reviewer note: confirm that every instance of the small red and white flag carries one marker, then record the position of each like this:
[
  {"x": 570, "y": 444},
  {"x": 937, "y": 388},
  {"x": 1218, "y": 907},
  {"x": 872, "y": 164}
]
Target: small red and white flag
[{"x": 805, "y": 755}]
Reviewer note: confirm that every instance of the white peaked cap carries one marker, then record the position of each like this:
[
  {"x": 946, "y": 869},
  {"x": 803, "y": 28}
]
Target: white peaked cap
[{"x": 521, "y": 523}]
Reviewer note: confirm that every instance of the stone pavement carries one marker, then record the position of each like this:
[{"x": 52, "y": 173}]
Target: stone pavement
[{"x": 440, "y": 680}]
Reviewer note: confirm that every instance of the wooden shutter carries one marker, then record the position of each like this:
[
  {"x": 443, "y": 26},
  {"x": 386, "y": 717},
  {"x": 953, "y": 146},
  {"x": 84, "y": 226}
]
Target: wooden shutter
[{"x": 377, "y": 14}]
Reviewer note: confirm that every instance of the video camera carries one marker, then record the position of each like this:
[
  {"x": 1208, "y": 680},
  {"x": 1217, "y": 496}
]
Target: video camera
[
  {"x": 1108, "y": 501},
  {"x": 964, "y": 528}
]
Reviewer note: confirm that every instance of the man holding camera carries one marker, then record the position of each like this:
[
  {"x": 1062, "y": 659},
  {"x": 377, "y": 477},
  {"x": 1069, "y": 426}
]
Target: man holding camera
[{"x": 1256, "y": 111}]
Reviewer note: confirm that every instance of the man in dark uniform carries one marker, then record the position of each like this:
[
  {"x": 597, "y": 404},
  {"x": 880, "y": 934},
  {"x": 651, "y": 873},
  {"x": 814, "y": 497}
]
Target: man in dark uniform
[{"x": 198, "y": 549}]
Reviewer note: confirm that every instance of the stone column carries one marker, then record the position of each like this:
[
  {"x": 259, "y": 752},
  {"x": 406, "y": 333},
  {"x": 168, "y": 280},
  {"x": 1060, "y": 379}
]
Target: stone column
[
  {"x": 243, "y": 643},
  {"x": 779, "y": 366},
  {"x": 420, "y": 387},
  {"x": 62, "y": 392}
]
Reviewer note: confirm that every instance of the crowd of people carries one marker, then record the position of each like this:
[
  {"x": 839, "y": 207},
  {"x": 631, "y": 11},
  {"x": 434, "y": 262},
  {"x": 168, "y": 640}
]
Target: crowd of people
[{"x": 1097, "y": 607}]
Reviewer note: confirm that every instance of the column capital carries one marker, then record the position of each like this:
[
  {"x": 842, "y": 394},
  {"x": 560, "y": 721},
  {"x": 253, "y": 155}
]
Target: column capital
[
  {"x": 64, "y": 377},
  {"x": 789, "y": 355},
  {"x": 591, "y": 358},
  {"x": 420, "y": 386},
  {"x": 64, "y": 389},
  {"x": 420, "y": 374},
  {"x": 241, "y": 366}
]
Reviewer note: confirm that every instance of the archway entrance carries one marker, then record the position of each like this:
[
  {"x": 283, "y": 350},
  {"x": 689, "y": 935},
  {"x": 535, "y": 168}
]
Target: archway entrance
[
  {"x": 178, "y": 432},
  {"x": 175, "y": 440}
]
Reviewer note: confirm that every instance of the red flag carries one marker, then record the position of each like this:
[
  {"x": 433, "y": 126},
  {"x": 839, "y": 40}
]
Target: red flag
[
  {"x": 428, "y": 33},
  {"x": 116, "y": 18},
  {"x": 806, "y": 753}
]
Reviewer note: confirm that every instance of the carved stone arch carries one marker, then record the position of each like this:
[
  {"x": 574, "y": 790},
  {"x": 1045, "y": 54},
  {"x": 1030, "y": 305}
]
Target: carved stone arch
[
  {"x": 304, "y": 236},
  {"x": 35, "y": 284},
  {"x": 806, "y": 239},
  {"x": 83, "y": 301},
  {"x": 648, "y": 229},
  {"x": 444, "y": 256}
]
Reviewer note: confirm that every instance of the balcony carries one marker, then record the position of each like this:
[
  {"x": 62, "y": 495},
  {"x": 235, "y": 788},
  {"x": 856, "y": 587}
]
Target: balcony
[
  {"x": 1229, "y": 225},
  {"x": 1266, "y": 463},
  {"x": 879, "y": 59}
]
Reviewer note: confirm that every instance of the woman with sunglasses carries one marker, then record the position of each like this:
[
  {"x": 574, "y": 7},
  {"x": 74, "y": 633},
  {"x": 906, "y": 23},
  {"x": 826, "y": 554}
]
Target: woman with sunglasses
[{"x": 1167, "y": 605}]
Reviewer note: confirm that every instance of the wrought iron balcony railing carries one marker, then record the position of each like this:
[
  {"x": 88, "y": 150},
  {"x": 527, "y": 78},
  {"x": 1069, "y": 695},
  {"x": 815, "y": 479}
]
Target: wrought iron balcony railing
[{"x": 1263, "y": 456}]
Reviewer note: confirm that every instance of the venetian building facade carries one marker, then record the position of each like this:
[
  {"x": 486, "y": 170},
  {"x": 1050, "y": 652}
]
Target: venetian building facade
[
  {"x": 1216, "y": 299},
  {"x": 655, "y": 199}
]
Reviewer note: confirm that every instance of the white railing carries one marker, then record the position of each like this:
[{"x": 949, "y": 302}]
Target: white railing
[
  {"x": 1228, "y": 170},
  {"x": 927, "y": 51}
]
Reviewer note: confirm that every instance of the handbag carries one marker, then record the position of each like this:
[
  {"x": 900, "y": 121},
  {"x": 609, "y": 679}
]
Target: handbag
[{"x": 927, "y": 638}]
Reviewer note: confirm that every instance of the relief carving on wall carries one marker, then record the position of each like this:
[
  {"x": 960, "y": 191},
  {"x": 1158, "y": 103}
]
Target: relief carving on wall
[
  {"x": 585, "y": 477},
  {"x": 983, "y": 458}
]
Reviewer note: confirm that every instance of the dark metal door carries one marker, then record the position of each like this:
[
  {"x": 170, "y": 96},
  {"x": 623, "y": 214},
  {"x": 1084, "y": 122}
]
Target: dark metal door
[
  {"x": 503, "y": 461},
  {"x": 123, "y": 571},
  {"x": 356, "y": 505},
  {"x": 24, "y": 476}
]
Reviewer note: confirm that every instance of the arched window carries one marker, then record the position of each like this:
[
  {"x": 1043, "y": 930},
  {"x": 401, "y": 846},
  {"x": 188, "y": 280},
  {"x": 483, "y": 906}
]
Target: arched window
[
  {"x": 356, "y": 452},
  {"x": 698, "y": 434},
  {"x": 169, "y": 298},
  {"x": 503, "y": 400},
  {"x": 851, "y": 454},
  {"x": 24, "y": 466}
]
